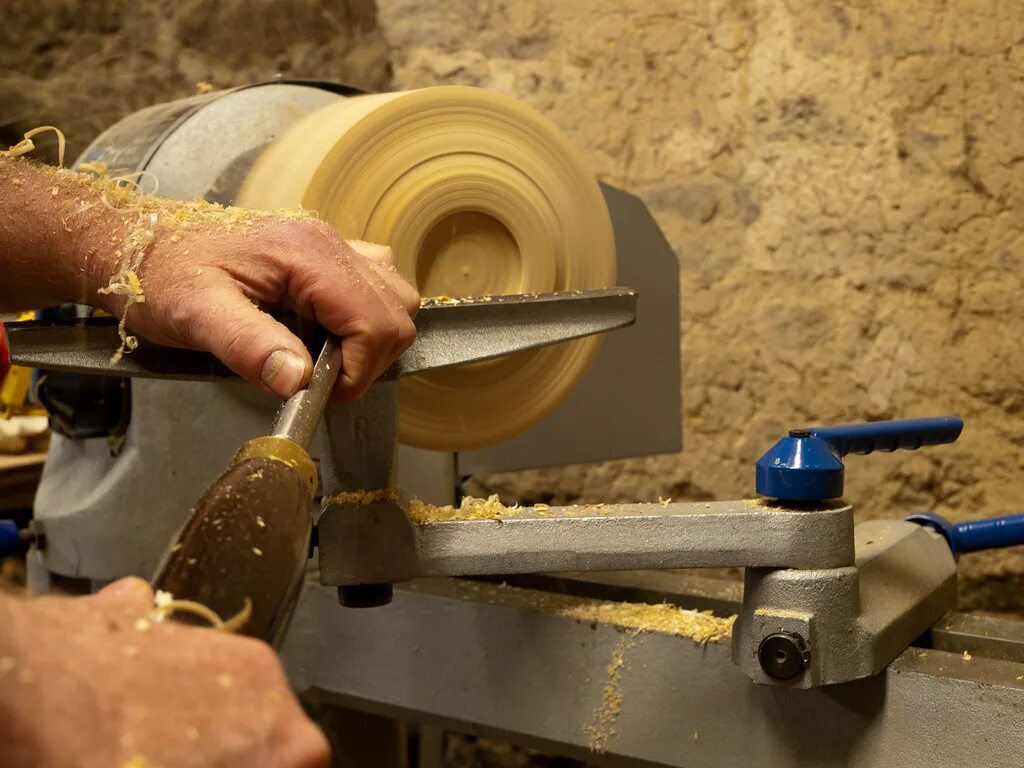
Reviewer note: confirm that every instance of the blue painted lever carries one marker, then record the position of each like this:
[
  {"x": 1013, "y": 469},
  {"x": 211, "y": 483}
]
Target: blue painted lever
[
  {"x": 975, "y": 535},
  {"x": 807, "y": 464},
  {"x": 10, "y": 539},
  {"x": 908, "y": 435}
]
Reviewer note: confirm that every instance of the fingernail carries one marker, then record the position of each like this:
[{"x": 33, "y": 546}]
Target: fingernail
[{"x": 283, "y": 372}]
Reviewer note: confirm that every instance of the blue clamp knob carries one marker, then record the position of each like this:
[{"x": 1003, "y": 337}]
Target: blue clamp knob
[
  {"x": 807, "y": 465},
  {"x": 975, "y": 535},
  {"x": 10, "y": 539}
]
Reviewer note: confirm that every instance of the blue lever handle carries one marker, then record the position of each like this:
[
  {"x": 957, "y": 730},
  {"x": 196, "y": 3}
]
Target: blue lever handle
[
  {"x": 908, "y": 434},
  {"x": 10, "y": 540},
  {"x": 807, "y": 465},
  {"x": 975, "y": 535}
]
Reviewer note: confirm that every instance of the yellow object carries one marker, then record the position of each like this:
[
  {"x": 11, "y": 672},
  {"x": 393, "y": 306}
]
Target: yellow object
[
  {"x": 287, "y": 452},
  {"x": 477, "y": 194},
  {"x": 15, "y": 389},
  {"x": 14, "y": 392}
]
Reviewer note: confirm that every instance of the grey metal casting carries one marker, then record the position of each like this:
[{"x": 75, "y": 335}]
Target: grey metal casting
[
  {"x": 849, "y": 622},
  {"x": 377, "y": 542},
  {"x": 492, "y": 661},
  {"x": 446, "y": 335}
]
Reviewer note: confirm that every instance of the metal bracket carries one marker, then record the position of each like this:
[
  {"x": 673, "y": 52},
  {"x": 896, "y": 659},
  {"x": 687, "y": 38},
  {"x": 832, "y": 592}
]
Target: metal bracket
[{"x": 378, "y": 542}]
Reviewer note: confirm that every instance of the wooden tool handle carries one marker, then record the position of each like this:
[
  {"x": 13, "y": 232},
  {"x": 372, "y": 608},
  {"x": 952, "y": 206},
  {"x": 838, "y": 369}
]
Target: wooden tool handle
[{"x": 247, "y": 538}]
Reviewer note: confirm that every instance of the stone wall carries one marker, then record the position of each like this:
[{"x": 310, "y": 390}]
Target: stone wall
[{"x": 842, "y": 182}]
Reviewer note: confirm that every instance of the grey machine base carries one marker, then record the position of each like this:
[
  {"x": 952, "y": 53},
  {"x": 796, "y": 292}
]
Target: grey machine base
[{"x": 482, "y": 659}]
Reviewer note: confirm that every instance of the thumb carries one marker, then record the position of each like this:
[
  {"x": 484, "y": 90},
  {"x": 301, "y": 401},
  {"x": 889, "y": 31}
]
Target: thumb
[{"x": 249, "y": 341}]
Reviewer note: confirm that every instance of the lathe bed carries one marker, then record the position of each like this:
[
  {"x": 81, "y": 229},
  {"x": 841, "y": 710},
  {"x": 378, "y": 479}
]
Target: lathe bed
[{"x": 487, "y": 659}]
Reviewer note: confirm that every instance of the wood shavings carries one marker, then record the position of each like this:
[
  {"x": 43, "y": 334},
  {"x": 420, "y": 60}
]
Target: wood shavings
[
  {"x": 26, "y": 145},
  {"x": 702, "y": 626},
  {"x": 664, "y": 502},
  {"x": 699, "y": 626},
  {"x": 142, "y": 214},
  {"x": 471, "y": 508},
  {"x": 967, "y": 656},
  {"x": 204, "y": 87},
  {"x": 165, "y": 605},
  {"x": 602, "y": 726},
  {"x": 362, "y": 497},
  {"x": 136, "y": 761},
  {"x": 126, "y": 281}
]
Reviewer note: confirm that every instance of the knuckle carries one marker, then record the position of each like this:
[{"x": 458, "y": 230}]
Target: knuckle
[
  {"x": 236, "y": 335},
  {"x": 406, "y": 331},
  {"x": 387, "y": 334},
  {"x": 257, "y": 655}
]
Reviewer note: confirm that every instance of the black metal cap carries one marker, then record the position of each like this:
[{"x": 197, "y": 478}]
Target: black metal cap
[{"x": 365, "y": 595}]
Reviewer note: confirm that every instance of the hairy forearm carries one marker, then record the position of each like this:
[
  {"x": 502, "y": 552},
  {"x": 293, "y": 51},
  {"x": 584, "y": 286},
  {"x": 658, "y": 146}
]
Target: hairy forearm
[{"x": 58, "y": 237}]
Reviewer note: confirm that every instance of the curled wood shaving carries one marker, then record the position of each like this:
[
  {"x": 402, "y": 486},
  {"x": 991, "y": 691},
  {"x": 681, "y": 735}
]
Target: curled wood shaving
[
  {"x": 26, "y": 145},
  {"x": 165, "y": 605}
]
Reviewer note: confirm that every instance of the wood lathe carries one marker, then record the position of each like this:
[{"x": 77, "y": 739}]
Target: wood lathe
[{"x": 573, "y": 633}]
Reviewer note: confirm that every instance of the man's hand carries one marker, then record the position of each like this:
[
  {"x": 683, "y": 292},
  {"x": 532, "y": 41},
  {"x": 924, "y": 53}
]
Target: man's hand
[
  {"x": 205, "y": 280},
  {"x": 205, "y": 289},
  {"x": 91, "y": 682}
]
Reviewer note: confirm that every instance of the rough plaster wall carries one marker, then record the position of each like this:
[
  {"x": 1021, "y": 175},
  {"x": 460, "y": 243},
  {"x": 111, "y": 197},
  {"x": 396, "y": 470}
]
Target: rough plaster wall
[
  {"x": 840, "y": 180},
  {"x": 84, "y": 64}
]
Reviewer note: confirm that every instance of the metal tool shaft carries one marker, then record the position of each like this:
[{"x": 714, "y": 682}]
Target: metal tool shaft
[{"x": 300, "y": 414}]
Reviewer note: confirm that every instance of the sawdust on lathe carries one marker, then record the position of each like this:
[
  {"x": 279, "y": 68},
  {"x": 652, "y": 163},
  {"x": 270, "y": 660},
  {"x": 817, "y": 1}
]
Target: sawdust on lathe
[
  {"x": 702, "y": 626},
  {"x": 362, "y": 497},
  {"x": 470, "y": 508},
  {"x": 602, "y": 725},
  {"x": 639, "y": 618},
  {"x": 492, "y": 508}
]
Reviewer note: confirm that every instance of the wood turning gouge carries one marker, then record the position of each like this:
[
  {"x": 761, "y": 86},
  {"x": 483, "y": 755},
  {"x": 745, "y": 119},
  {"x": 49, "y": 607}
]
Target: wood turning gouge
[{"x": 246, "y": 542}]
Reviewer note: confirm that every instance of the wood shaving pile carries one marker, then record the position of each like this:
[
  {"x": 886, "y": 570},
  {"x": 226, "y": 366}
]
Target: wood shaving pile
[
  {"x": 434, "y": 301},
  {"x": 702, "y": 626},
  {"x": 668, "y": 619},
  {"x": 362, "y": 497},
  {"x": 471, "y": 508}
]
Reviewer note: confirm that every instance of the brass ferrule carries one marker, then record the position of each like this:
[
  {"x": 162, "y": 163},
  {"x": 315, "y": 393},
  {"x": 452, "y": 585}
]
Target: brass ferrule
[{"x": 286, "y": 451}]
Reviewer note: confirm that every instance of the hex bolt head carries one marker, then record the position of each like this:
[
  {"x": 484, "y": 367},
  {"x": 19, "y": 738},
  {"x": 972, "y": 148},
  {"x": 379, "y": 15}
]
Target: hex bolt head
[{"x": 783, "y": 655}]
